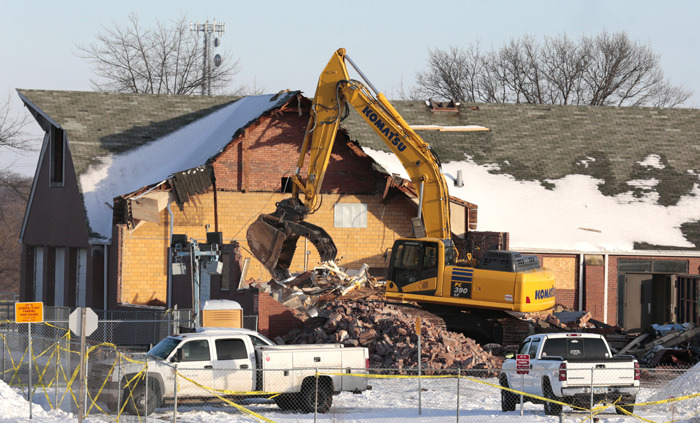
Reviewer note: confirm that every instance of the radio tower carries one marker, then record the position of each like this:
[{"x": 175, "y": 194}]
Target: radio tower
[{"x": 208, "y": 29}]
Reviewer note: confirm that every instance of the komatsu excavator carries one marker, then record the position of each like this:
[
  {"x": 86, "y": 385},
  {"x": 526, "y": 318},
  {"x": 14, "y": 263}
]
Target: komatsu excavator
[{"x": 423, "y": 269}]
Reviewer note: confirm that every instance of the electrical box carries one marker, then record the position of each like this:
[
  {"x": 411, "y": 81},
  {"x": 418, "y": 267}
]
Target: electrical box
[{"x": 222, "y": 314}]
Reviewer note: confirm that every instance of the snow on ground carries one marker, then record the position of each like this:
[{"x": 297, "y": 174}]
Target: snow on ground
[
  {"x": 390, "y": 401},
  {"x": 574, "y": 215},
  {"x": 15, "y": 408}
]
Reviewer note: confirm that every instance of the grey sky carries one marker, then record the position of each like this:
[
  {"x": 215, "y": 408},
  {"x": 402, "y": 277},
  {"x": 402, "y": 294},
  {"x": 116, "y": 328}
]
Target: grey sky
[{"x": 285, "y": 44}]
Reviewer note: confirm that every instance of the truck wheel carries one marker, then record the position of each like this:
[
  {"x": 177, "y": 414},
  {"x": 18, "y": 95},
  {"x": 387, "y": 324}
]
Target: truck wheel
[
  {"x": 308, "y": 396},
  {"x": 287, "y": 402},
  {"x": 136, "y": 403},
  {"x": 628, "y": 408},
  {"x": 508, "y": 399},
  {"x": 550, "y": 408}
]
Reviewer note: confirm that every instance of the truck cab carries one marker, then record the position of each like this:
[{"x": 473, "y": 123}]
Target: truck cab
[{"x": 575, "y": 368}]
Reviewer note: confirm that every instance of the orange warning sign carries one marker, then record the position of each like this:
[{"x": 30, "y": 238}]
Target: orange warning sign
[{"x": 29, "y": 312}]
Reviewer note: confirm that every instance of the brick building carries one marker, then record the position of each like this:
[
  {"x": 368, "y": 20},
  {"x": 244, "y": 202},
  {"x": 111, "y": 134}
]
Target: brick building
[
  {"x": 137, "y": 169},
  {"x": 119, "y": 174}
]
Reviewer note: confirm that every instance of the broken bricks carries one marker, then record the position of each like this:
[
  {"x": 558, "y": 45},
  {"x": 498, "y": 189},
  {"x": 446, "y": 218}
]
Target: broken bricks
[{"x": 390, "y": 336}]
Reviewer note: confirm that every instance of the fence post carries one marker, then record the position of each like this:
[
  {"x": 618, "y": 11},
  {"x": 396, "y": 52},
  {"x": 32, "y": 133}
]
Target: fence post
[
  {"x": 58, "y": 357},
  {"x": 522, "y": 389},
  {"x": 29, "y": 362},
  {"x": 459, "y": 375},
  {"x": 591, "y": 410},
  {"x": 119, "y": 384},
  {"x": 420, "y": 362},
  {"x": 175, "y": 393},
  {"x": 146, "y": 396},
  {"x": 3, "y": 357},
  {"x": 316, "y": 400}
]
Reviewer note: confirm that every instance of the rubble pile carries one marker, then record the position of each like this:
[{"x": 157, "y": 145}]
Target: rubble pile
[
  {"x": 306, "y": 292},
  {"x": 389, "y": 334}
]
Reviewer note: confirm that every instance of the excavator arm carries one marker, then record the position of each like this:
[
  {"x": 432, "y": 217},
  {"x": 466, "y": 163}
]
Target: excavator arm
[{"x": 273, "y": 237}]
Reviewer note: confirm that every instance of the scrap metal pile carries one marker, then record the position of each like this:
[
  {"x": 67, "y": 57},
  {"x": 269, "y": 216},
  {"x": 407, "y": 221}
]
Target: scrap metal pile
[{"x": 660, "y": 345}]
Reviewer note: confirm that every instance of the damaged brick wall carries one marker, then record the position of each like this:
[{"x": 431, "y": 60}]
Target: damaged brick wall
[{"x": 269, "y": 149}]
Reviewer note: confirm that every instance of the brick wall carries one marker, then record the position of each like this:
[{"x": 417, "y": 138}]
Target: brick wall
[
  {"x": 274, "y": 319},
  {"x": 270, "y": 149},
  {"x": 144, "y": 258},
  {"x": 594, "y": 285}
]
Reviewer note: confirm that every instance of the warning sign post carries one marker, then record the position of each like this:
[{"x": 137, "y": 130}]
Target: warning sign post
[{"x": 29, "y": 313}]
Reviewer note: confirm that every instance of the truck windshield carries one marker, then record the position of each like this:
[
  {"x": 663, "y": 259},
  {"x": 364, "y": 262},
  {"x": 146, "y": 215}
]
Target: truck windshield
[
  {"x": 572, "y": 348},
  {"x": 164, "y": 348}
]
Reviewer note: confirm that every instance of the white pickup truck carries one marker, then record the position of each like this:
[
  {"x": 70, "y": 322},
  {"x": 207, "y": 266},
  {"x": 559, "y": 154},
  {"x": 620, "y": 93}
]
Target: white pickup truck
[
  {"x": 574, "y": 368},
  {"x": 233, "y": 363}
]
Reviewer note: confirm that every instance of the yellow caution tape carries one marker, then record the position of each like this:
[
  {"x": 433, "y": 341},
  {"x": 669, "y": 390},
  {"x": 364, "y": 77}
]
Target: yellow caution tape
[{"x": 238, "y": 407}]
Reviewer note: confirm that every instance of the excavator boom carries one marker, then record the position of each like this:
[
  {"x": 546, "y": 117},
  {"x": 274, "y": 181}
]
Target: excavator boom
[{"x": 273, "y": 237}]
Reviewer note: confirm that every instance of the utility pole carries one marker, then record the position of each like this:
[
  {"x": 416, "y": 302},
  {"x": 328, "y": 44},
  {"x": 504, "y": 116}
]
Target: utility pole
[{"x": 208, "y": 30}]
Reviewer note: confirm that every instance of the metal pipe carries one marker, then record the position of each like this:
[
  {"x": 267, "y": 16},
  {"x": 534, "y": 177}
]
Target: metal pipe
[
  {"x": 605, "y": 290},
  {"x": 580, "y": 281},
  {"x": 169, "y": 282},
  {"x": 362, "y": 75},
  {"x": 420, "y": 199},
  {"x": 104, "y": 279}
]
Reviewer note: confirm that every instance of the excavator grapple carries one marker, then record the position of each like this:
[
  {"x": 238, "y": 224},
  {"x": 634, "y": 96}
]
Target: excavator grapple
[{"x": 273, "y": 237}]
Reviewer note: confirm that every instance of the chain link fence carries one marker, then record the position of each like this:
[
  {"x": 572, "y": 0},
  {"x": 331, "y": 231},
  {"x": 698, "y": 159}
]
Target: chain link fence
[{"x": 128, "y": 386}]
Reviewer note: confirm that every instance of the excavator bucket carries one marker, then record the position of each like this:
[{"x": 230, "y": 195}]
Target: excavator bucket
[{"x": 272, "y": 239}]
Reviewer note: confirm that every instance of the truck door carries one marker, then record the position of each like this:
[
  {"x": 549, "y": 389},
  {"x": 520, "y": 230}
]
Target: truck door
[
  {"x": 233, "y": 367},
  {"x": 195, "y": 365},
  {"x": 533, "y": 380}
]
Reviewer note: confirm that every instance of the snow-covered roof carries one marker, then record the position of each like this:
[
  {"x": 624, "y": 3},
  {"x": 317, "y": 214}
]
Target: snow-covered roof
[
  {"x": 596, "y": 179},
  {"x": 121, "y": 143}
]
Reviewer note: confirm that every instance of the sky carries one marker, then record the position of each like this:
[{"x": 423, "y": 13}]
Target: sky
[{"x": 285, "y": 45}]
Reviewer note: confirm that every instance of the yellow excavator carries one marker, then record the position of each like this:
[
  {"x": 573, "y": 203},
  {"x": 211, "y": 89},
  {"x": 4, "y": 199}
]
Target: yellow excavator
[{"x": 423, "y": 269}]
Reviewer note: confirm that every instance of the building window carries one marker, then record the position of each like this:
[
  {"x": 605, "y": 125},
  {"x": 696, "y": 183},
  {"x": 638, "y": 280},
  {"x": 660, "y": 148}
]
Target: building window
[
  {"x": 350, "y": 215},
  {"x": 60, "y": 277},
  {"x": 57, "y": 154},
  {"x": 625, "y": 266},
  {"x": 81, "y": 275},
  {"x": 38, "y": 273}
]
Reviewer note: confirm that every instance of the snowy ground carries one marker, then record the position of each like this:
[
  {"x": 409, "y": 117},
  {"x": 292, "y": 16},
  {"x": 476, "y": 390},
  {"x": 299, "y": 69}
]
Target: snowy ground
[{"x": 390, "y": 401}]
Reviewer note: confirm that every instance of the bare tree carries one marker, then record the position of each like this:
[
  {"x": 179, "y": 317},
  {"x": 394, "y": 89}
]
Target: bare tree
[
  {"x": 164, "y": 60},
  {"x": 605, "y": 70},
  {"x": 12, "y": 136},
  {"x": 14, "y": 191}
]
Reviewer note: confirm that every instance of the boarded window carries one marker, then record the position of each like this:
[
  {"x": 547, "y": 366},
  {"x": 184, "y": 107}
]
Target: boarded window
[
  {"x": 350, "y": 215},
  {"x": 57, "y": 156},
  {"x": 39, "y": 274}
]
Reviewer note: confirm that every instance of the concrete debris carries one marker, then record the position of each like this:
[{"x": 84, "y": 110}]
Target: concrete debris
[
  {"x": 306, "y": 292},
  {"x": 390, "y": 335}
]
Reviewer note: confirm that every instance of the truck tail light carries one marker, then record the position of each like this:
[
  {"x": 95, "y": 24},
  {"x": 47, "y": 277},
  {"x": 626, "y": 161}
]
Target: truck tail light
[
  {"x": 637, "y": 371},
  {"x": 562, "y": 372},
  {"x": 367, "y": 363}
]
